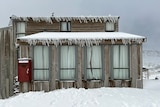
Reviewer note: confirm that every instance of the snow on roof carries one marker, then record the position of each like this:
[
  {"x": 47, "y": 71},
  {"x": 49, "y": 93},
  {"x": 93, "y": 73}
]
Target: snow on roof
[
  {"x": 81, "y": 19},
  {"x": 80, "y": 38}
]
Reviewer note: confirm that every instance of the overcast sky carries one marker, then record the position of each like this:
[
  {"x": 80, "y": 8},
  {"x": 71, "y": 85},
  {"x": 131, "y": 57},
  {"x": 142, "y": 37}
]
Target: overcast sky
[{"x": 140, "y": 17}]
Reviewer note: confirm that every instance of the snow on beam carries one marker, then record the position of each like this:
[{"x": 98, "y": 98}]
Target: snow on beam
[
  {"x": 81, "y": 19},
  {"x": 87, "y": 42},
  {"x": 81, "y": 38}
]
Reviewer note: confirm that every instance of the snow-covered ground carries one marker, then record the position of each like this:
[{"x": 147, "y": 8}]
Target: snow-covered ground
[
  {"x": 151, "y": 61},
  {"x": 99, "y": 97}
]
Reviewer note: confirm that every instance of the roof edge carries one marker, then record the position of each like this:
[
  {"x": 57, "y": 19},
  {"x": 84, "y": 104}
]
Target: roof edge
[{"x": 81, "y": 19}]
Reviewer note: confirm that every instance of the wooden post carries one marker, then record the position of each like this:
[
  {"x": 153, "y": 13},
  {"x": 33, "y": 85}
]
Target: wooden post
[
  {"x": 134, "y": 65},
  {"x": 106, "y": 66},
  {"x": 53, "y": 74}
]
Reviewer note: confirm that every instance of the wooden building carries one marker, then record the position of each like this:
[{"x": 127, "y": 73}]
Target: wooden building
[
  {"x": 7, "y": 62},
  {"x": 81, "y": 52}
]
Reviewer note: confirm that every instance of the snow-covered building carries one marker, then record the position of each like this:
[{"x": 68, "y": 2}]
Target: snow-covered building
[{"x": 81, "y": 52}]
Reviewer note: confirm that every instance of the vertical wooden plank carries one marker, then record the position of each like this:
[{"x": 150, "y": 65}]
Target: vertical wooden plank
[
  {"x": 95, "y": 84},
  {"x": 41, "y": 86},
  {"x": 45, "y": 86},
  {"x": 7, "y": 58},
  {"x": 87, "y": 27},
  {"x": 0, "y": 64},
  {"x": 3, "y": 75},
  {"x": 117, "y": 26},
  {"x": 79, "y": 69},
  {"x": 134, "y": 65},
  {"x": 140, "y": 63},
  {"x": 106, "y": 66},
  {"x": 24, "y": 51},
  {"x": 15, "y": 50},
  {"x": 25, "y": 87},
  {"x": 11, "y": 61},
  {"x": 82, "y": 72},
  {"x": 67, "y": 84},
  {"x": 36, "y": 86},
  {"x": 53, "y": 73}
]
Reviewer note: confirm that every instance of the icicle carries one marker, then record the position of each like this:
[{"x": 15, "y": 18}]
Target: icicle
[
  {"x": 43, "y": 42},
  {"x": 34, "y": 42},
  {"x": 34, "y": 19},
  {"x": 48, "y": 42},
  {"x": 96, "y": 19},
  {"x": 139, "y": 41},
  {"x": 85, "y": 20},
  {"x": 55, "y": 42},
  {"x": 63, "y": 19},
  {"x": 96, "y": 42},
  {"x": 57, "y": 19},
  {"x": 70, "y": 19},
  {"x": 75, "y": 41},
  {"x": 60, "y": 42},
  {"x": 92, "y": 20},
  {"x": 69, "y": 42},
  {"x": 25, "y": 19},
  {"x": 109, "y": 18},
  {"x": 123, "y": 41},
  {"x": 82, "y": 43},
  {"x": 50, "y": 20},
  {"x": 79, "y": 19},
  {"x": 90, "y": 42},
  {"x": 100, "y": 20},
  {"x": 126, "y": 41},
  {"x": 113, "y": 19},
  {"x": 105, "y": 19},
  {"x": 112, "y": 41},
  {"x": 129, "y": 41}
]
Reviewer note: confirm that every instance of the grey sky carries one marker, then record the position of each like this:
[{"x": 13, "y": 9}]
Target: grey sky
[{"x": 140, "y": 17}]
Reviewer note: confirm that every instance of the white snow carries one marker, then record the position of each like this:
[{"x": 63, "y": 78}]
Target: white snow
[
  {"x": 151, "y": 61},
  {"x": 23, "y": 60},
  {"x": 81, "y": 19},
  {"x": 80, "y": 38},
  {"x": 98, "y": 97}
]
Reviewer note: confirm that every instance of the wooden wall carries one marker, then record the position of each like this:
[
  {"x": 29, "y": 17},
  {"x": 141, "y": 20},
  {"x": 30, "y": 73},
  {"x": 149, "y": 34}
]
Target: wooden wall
[
  {"x": 76, "y": 26},
  {"x": 55, "y": 83},
  {"x": 7, "y": 62},
  {"x": 136, "y": 65},
  {"x": 35, "y": 27}
]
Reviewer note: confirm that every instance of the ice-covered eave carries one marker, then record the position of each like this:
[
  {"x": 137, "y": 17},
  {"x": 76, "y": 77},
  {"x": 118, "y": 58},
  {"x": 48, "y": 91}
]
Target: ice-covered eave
[
  {"x": 81, "y": 38},
  {"x": 81, "y": 42},
  {"x": 81, "y": 19}
]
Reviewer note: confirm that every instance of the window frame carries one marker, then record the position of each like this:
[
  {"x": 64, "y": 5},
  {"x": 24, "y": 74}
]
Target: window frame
[
  {"x": 76, "y": 64},
  {"x": 49, "y": 66},
  {"x": 85, "y": 63},
  {"x": 20, "y": 33},
  {"x": 110, "y": 30},
  {"x": 112, "y": 68},
  {"x": 68, "y": 26}
]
